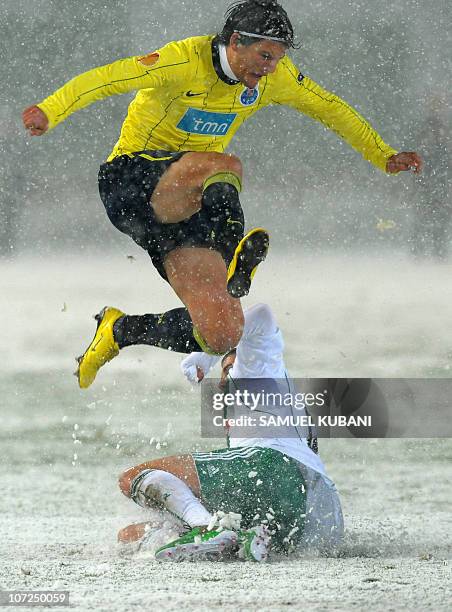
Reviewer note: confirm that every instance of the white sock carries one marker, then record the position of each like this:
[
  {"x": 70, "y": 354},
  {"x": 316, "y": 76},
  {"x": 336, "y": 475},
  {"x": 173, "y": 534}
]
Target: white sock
[{"x": 158, "y": 487}]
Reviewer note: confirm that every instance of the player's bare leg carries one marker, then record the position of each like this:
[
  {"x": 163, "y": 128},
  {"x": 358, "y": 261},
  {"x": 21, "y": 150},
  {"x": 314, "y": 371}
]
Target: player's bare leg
[
  {"x": 198, "y": 276},
  {"x": 213, "y": 318},
  {"x": 172, "y": 483},
  {"x": 178, "y": 194},
  {"x": 181, "y": 466}
]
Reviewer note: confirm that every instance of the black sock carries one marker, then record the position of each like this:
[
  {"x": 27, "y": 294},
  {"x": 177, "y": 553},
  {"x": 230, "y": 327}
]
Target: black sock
[
  {"x": 172, "y": 330},
  {"x": 222, "y": 210}
]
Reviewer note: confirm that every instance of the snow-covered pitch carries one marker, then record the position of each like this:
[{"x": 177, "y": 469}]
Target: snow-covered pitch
[{"x": 62, "y": 449}]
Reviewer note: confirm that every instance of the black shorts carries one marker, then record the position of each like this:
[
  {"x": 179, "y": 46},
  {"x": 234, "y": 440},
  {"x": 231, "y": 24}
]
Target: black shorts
[{"x": 126, "y": 185}]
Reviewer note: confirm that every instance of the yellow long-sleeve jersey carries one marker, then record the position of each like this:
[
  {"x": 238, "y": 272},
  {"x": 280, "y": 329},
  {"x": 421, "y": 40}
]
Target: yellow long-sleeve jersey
[{"x": 186, "y": 103}]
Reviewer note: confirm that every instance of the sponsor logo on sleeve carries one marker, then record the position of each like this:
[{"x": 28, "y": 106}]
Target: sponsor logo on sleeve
[
  {"x": 149, "y": 60},
  {"x": 249, "y": 96},
  {"x": 204, "y": 123}
]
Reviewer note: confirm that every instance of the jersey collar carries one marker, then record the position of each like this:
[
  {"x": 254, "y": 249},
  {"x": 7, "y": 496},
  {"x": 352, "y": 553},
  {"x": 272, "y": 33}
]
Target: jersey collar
[
  {"x": 225, "y": 65},
  {"x": 216, "y": 58}
]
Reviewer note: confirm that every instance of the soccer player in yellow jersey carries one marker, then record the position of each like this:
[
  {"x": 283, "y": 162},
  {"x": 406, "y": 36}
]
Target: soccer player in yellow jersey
[{"x": 169, "y": 183}]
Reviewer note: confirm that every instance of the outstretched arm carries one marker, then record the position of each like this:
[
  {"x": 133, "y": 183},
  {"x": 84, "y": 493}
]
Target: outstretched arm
[
  {"x": 311, "y": 99},
  {"x": 163, "y": 68},
  {"x": 120, "y": 77}
]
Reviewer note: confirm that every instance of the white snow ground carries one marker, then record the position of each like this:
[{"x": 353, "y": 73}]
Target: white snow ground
[{"x": 61, "y": 449}]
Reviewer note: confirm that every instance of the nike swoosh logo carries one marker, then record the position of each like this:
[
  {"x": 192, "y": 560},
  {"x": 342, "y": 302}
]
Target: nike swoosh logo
[{"x": 190, "y": 94}]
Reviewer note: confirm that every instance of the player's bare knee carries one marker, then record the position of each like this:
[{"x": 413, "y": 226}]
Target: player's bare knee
[
  {"x": 220, "y": 345},
  {"x": 197, "y": 167},
  {"x": 126, "y": 478},
  {"x": 226, "y": 327},
  {"x": 223, "y": 340},
  {"x": 233, "y": 164},
  {"x": 234, "y": 334},
  {"x": 124, "y": 484},
  {"x": 222, "y": 162}
]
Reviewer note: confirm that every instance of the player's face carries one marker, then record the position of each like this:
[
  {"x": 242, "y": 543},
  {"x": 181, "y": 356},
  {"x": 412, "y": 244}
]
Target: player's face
[
  {"x": 227, "y": 364},
  {"x": 250, "y": 63}
]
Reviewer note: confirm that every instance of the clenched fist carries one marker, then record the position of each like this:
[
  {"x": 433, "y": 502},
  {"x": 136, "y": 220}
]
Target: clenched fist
[
  {"x": 35, "y": 121},
  {"x": 404, "y": 161}
]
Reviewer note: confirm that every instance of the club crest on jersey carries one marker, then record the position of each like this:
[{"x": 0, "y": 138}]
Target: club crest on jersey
[
  {"x": 249, "y": 96},
  {"x": 150, "y": 59}
]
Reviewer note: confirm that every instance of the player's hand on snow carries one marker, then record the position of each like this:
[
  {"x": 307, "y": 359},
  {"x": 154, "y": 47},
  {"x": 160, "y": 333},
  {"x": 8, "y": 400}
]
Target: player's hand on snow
[
  {"x": 35, "y": 121},
  {"x": 404, "y": 161},
  {"x": 197, "y": 365}
]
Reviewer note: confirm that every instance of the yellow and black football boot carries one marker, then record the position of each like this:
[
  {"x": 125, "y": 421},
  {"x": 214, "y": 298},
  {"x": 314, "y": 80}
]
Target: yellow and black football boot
[
  {"x": 250, "y": 252},
  {"x": 102, "y": 349}
]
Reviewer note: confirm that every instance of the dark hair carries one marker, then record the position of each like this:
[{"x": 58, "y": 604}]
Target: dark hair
[{"x": 260, "y": 17}]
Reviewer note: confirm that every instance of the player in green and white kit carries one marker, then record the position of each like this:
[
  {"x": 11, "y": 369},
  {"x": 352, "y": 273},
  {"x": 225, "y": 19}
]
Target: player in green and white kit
[{"x": 278, "y": 485}]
